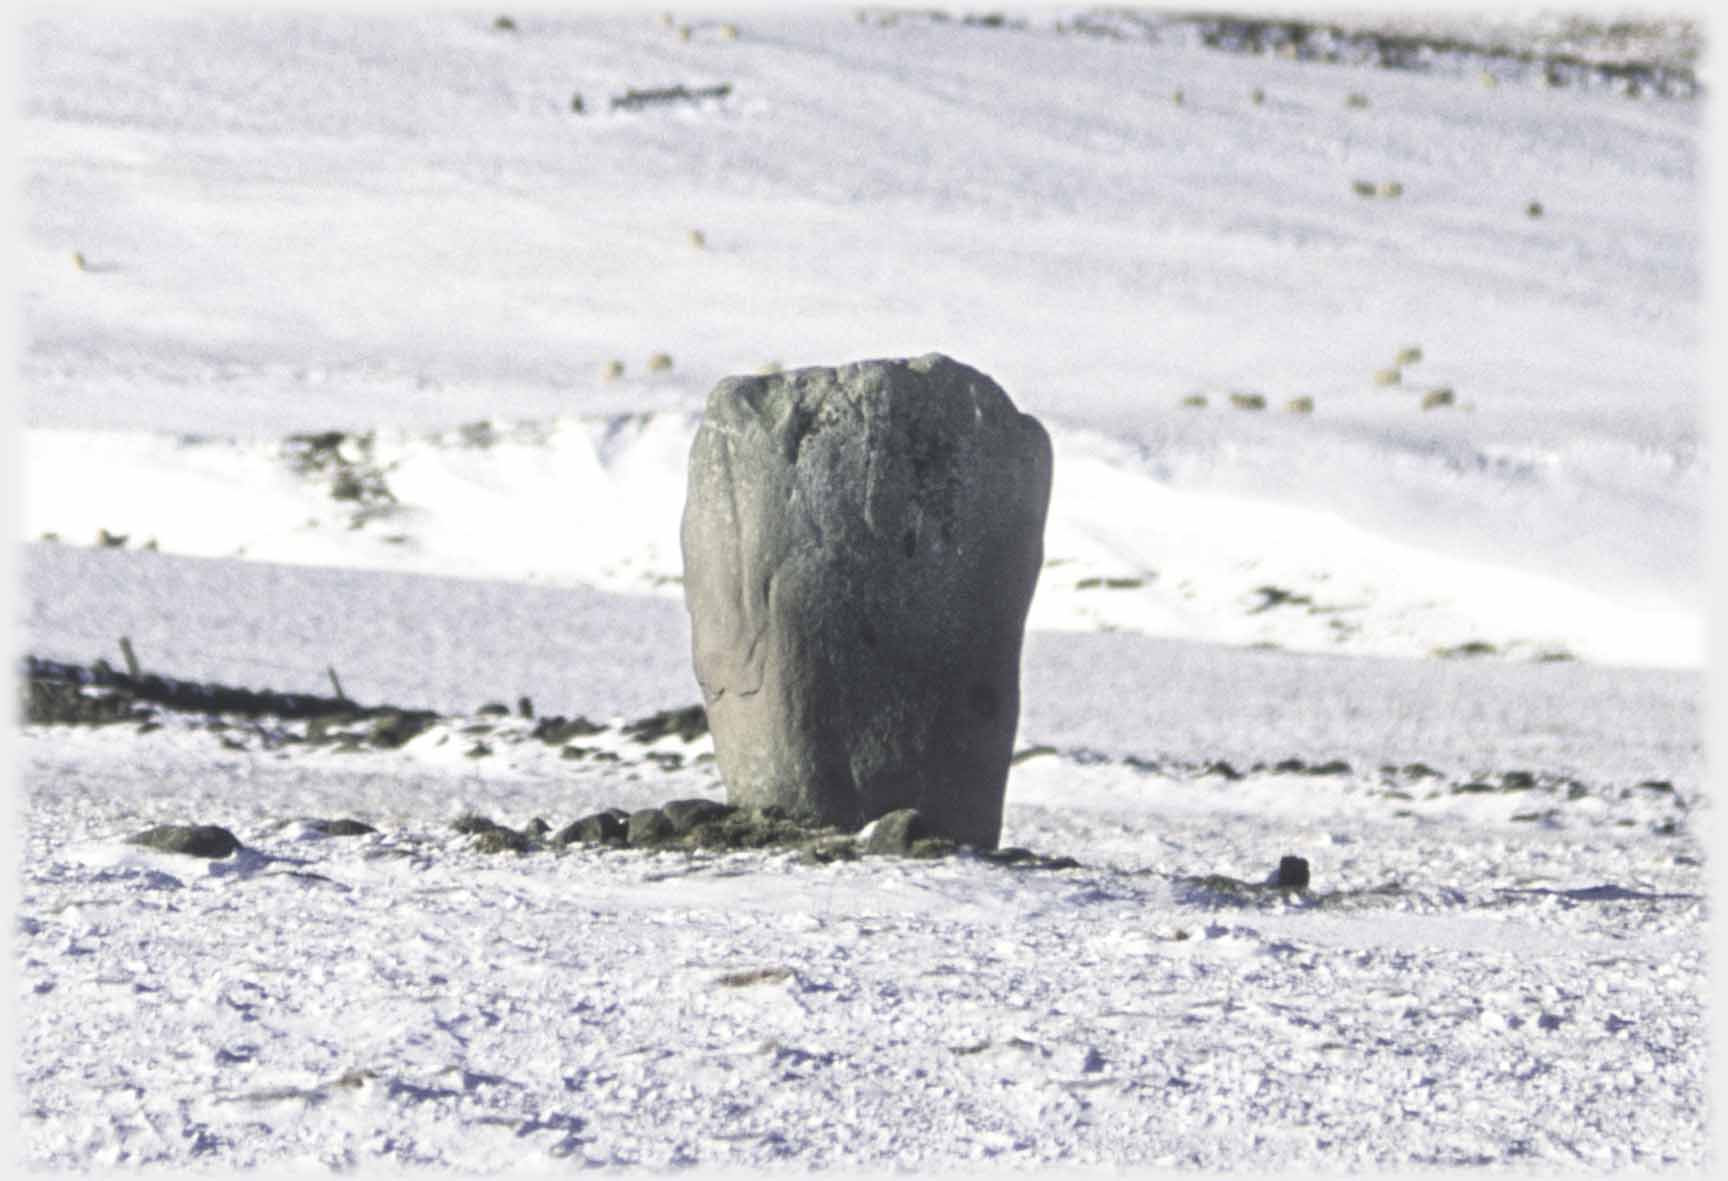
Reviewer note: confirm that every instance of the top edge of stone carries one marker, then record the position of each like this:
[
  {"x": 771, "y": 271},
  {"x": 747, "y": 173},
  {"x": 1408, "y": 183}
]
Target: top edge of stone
[{"x": 745, "y": 391}]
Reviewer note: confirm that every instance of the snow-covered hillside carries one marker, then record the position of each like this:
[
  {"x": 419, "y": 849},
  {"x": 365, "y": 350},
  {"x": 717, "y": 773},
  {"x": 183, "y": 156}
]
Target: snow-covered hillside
[{"x": 355, "y": 345}]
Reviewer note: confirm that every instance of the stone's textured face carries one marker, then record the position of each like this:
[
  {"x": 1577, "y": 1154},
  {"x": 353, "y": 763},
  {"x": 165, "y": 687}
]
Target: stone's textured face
[{"x": 860, "y": 550}]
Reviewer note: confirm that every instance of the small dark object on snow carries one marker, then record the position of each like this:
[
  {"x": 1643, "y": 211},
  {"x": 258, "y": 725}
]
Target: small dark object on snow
[
  {"x": 494, "y": 709},
  {"x": 689, "y": 724},
  {"x": 111, "y": 540},
  {"x": 525, "y": 707},
  {"x": 194, "y": 840},
  {"x": 687, "y": 814},
  {"x": 341, "y": 828},
  {"x": 602, "y": 828},
  {"x": 556, "y": 731},
  {"x": 576, "y": 103},
  {"x": 504, "y": 25},
  {"x": 1534, "y": 209},
  {"x": 634, "y": 99},
  {"x": 1292, "y": 873},
  {"x": 501, "y": 839}
]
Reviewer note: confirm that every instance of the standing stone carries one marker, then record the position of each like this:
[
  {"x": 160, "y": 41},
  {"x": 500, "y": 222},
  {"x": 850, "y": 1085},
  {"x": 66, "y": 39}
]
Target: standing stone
[{"x": 860, "y": 550}]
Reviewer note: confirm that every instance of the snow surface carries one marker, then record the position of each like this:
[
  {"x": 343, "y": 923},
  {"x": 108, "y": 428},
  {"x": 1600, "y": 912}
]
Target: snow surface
[{"x": 394, "y": 226}]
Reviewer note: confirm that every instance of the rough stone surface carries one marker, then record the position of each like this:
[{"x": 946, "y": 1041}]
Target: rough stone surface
[
  {"x": 860, "y": 549},
  {"x": 194, "y": 840}
]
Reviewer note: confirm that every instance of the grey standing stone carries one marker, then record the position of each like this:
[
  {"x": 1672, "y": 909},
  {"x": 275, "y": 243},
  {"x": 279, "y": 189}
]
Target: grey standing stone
[{"x": 860, "y": 549}]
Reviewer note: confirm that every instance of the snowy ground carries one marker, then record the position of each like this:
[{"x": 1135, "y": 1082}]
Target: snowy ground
[{"x": 1450, "y": 656}]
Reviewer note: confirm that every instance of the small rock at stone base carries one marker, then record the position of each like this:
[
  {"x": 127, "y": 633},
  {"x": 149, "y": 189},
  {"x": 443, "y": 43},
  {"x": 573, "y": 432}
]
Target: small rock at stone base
[
  {"x": 610, "y": 827},
  {"x": 649, "y": 826},
  {"x": 895, "y": 832}
]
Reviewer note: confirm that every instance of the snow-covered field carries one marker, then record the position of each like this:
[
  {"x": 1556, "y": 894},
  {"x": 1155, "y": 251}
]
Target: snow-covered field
[{"x": 319, "y": 315}]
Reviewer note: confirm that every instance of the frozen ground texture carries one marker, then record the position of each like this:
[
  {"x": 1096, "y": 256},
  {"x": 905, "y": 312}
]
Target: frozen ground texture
[{"x": 1449, "y": 656}]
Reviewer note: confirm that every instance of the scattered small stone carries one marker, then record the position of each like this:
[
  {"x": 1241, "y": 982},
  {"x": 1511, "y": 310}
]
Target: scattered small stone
[
  {"x": 1387, "y": 377},
  {"x": 744, "y": 979},
  {"x": 896, "y": 832},
  {"x": 929, "y": 848},
  {"x": 610, "y": 827},
  {"x": 1409, "y": 354},
  {"x": 1257, "y": 96},
  {"x": 1195, "y": 401},
  {"x": 194, "y": 840},
  {"x": 688, "y": 723},
  {"x": 393, "y": 729},
  {"x": 1436, "y": 398},
  {"x": 698, "y": 239},
  {"x": 1390, "y": 189},
  {"x": 493, "y": 709},
  {"x": 1292, "y": 873},
  {"x": 503, "y": 840},
  {"x": 685, "y": 815},
  {"x": 612, "y": 370},
  {"x": 340, "y": 828},
  {"x": 1301, "y": 405},
  {"x": 504, "y": 24},
  {"x": 1364, "y": 188},
  {"x": 1470, "y": 648},
  {"x": 1517, "y": 781},
  {"x": 660, "y": 362},
  {"x": 111, "y": 540},
  {"x": 649, "y": 826},
  {"x": 1248, "y": 401},
  {"x": 1356, "y": 100},
  {"x": 1534, "y": 209},
  {"x": 554, "y": 730},
  {"x": 1222, "y": 769}
]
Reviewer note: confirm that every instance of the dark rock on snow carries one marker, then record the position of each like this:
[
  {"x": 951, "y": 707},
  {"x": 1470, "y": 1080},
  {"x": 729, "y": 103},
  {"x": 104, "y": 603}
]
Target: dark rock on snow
[
  {"x": 341, "y": 828},
  {"x": 649, "y": 826},
  {"x": 860, "y": 549},
  {"x": 194, "y": 840},
  {"x": 602, "y": 828}
]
